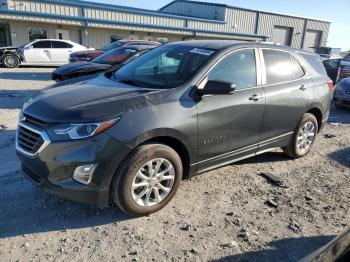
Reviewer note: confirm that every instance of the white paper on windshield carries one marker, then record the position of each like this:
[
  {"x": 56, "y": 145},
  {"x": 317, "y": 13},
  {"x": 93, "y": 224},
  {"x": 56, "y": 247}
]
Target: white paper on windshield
[{"x": 201, "y": 51}]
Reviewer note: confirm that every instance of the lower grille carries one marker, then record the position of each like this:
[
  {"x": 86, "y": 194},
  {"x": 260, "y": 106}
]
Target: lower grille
[
  {"x": 33, "y": 177},
  {"x": 28, "y": 140}
]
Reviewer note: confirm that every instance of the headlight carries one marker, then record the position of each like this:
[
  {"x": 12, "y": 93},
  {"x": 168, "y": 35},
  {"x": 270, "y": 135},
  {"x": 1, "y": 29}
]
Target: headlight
[{"x": 78, "y": 131}]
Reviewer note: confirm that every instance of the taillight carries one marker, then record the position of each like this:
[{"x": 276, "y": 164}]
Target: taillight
[{"x": 330, "y": 85}]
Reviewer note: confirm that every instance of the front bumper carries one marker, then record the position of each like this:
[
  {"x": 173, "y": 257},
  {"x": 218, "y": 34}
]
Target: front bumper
[{"x": 52, "y": 167}]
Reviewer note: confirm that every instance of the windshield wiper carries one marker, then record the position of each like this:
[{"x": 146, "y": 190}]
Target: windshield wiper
[{"x": 130, "y": 82}]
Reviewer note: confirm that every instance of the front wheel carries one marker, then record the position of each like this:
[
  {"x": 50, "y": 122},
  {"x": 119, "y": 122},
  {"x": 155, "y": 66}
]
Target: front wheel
[
  {"x": 147, "y": 180},
  {"x": 11, "y": 61},
  {"x": 303, "y": 138}
]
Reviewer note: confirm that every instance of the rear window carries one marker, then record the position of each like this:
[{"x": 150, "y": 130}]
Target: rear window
[{"x": 278, "y": 66}]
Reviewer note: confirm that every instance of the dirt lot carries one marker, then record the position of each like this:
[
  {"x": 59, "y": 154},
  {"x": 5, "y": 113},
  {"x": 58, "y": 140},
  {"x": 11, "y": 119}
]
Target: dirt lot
[{"x": 219, "y": 215}]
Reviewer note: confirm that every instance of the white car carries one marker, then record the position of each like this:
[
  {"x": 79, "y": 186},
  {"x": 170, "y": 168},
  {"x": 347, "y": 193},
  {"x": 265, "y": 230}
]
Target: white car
[{"x": 48, "y": 52}]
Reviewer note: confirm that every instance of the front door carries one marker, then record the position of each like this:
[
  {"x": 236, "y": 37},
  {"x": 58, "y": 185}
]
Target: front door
[
  {"x": 229, "y": 125},
  {"x": 38, "y": 53}
]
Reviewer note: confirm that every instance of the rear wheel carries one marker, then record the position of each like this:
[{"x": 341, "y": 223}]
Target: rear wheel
[
  {"x": 303, "y": 138},
  {"x": 11, "y": 61},
  {"x": 147, "y": 180}
]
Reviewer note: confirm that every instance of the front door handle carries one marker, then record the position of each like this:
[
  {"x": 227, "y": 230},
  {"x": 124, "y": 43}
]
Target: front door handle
[
  {"x": 302, "y": 87},
  {"x": 255, "y": 97}
]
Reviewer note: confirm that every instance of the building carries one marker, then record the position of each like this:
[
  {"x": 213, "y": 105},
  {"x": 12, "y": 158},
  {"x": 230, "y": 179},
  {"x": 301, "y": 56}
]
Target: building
[{"x": 95, "y": 25}]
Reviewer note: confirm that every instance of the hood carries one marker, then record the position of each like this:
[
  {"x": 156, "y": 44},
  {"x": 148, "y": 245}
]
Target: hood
[
  {"x": 80, "y": 67},
  {"x": 87, "y": 100},
  {"x": 9, "y": 47}
]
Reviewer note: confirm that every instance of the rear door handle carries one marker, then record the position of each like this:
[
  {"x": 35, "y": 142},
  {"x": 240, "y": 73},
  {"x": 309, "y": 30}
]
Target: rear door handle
[
  {"x": 302, "y": 87},
  {"x": 255, "y": 97}
]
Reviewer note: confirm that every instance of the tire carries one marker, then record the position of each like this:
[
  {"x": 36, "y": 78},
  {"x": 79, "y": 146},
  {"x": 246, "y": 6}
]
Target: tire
[
  {"x": 11, "y": 61},
  {"x": 295, "y": 148},
  {"x": 134, "y": 171}
]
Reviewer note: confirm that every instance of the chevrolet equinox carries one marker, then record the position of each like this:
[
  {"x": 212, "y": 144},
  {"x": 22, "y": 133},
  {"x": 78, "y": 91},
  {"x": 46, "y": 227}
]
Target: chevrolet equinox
[{"x": 129, "y": 138}]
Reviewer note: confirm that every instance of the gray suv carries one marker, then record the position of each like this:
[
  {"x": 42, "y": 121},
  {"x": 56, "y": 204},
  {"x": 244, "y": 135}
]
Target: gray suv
[{"x": 129, "y": 138}]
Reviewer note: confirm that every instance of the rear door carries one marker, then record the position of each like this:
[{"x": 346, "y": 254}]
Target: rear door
[
  {"x": 60, "y": 52},
  {"x": 229, "y": 125},
  {"x": 288, "y": 90},
  {"x": 38, "y": 53}
]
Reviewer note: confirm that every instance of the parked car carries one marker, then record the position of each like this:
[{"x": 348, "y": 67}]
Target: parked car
[
  {"x": 341, "y": 95},
  {"x": 337, "y": 69},
  {"x": 328, "y": 53},
  {"x": 91, "y": 54},
  {"x": 180, "y": 109},
  {"x": 9, "y": 57},
  {"x": 109, "y": 61},
  {"x": 48, "y": 52}
]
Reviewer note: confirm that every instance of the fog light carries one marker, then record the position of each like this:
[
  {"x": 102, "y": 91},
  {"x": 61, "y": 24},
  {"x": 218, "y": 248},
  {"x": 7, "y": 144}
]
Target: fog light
[{"x": 83, "y": 174}]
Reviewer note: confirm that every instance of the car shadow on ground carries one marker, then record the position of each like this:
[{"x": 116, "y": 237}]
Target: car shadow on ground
[
  {"x": 26, "y": 209},
  {"x": 14, "y": 99},
  {"x": 26, "y": 76},
  {"x": 341, "y": 156},
  {"x": 291, "y": 249}
]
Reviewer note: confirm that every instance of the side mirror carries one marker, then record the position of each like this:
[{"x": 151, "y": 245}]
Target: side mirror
[{"x": 217, "y": 87}]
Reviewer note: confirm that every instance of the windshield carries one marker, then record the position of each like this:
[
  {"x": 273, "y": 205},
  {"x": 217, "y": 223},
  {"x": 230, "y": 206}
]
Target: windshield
[
  {"x": 111, "y": 46},
  {"x": 115, "y": 56},
  {"x": 167, "y": 66}
]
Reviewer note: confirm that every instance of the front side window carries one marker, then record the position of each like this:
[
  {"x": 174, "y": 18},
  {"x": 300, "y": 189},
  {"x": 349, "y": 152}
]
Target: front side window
[
  {"x": 167, "y": 66},
  {"x": 238, "y": 68},
  {"x": 331, "y": 64},
  {"x": 37, "y": 33},
  {"x": 42, "y": 44},
  {"x": 278, "y": 66}
]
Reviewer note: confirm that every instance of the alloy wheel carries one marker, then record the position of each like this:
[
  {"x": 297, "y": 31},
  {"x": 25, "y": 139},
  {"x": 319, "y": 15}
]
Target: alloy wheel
[
  {"x": 153, "y": 182},
  {"x": 306, "y": 137}
]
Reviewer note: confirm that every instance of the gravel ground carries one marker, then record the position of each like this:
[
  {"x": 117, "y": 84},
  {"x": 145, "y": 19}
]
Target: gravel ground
[{"x": 228, "y": 214}]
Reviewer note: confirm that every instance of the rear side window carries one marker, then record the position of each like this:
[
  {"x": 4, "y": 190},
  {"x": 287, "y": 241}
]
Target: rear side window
[
  {"x": 315, "y": 62},
  {"x": 238, "y": 68},
  {"x": 298, "y": 71},
  {"x": 278, "y": 66},
  {"x": 42, "y": 44},
  {"x": 59, "y": 44}
]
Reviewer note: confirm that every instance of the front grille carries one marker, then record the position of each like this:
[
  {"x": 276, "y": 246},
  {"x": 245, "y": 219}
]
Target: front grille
[
  {"x": 28, "y": 140},
  {"x": 34, "y": 122}
]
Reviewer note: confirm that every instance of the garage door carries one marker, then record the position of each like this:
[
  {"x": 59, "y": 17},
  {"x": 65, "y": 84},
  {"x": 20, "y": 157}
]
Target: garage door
[
  {"x": 312, "y": 40},
  {"x": 282, "y": 35}
]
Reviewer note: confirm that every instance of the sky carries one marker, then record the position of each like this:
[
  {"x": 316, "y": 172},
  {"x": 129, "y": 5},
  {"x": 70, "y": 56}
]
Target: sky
[{"x": 336, "y": 11}]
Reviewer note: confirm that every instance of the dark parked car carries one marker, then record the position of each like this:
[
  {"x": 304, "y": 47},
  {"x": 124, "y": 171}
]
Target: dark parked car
[
  {"x": 337, "y": 69},
  {"x": 91, "y": 54},
  {"x": 179, "y": 110},
  {"x": 341, "y": 96},
  {"x": 9, "y": 57},
  {"x": 109, "y": 61}
]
